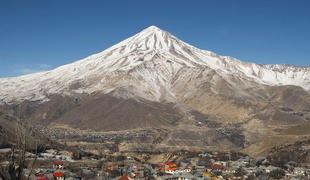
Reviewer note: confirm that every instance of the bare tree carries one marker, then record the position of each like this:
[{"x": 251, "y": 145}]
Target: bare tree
[{"x": 17, "y": 159}]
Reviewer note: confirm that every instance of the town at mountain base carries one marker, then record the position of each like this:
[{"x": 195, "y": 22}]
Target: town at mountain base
[{"x": 154, "y": 93}]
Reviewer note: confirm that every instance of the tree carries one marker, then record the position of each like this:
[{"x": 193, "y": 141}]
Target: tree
[
  {"x": 17, "y": 159},
  {"x": 240, "y": 172},
  {"x": 76, "y": 155},
  {"x": 277, "y": 173}
]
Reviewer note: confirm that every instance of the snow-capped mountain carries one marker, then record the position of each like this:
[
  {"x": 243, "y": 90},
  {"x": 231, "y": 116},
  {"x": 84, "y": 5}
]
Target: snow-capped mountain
[
  {"x": 186, "y": 96},
  {"x": 150, "y": 65}
]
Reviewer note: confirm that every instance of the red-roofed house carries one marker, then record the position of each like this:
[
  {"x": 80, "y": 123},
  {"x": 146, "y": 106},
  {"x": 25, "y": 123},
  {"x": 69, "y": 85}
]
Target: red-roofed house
[
  {"x": 216, "y": 166},
  {"x": 41, "y": 176},
  {"x": 58, "y": 175},
  {"x": 168, "y": 166}
]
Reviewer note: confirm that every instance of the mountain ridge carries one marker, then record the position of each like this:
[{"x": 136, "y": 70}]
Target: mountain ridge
[{"x": 138, "y": 50}]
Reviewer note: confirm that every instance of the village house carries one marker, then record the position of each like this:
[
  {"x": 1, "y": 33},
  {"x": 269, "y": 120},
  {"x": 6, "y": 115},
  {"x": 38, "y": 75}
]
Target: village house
[
  {"x": 41, "y": 176},
  {"x": 58, "y": 175},
  {"x": 168, "y": 167},
  {"x": 209, "y": 175},
  {"x": 58, "y": 165},
  {"x": 178, "y": 177},
  {"x": 125, "y": 177},
  {"x": 216, "y": 166},
  {"x": 299, "y": 171}
]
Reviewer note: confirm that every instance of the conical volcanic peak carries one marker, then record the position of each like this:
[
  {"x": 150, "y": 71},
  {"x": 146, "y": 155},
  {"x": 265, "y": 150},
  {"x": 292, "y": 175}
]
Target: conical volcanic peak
[
  {"x": 151, "y": 38},
  {"x": 150, "y": 61},
  {"x": 152, "y": 29}
]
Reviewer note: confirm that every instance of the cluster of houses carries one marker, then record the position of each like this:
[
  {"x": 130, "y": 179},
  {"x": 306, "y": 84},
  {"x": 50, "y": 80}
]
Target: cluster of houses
[
  {"x": 194, "y": 168},
  {"x": 56, "y": 165},
  {"x": 55, "y": 174}
]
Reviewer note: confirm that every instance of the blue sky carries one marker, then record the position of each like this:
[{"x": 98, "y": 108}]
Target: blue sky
[{"x": 38, "y": 35}]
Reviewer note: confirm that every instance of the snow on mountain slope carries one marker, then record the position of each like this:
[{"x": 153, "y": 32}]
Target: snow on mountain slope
[{"x": 145, "y": 66}]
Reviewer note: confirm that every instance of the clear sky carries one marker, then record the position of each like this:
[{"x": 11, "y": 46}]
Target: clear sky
[{"x": 39, "y": 35}]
